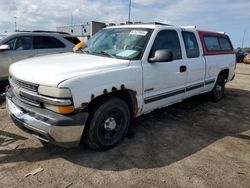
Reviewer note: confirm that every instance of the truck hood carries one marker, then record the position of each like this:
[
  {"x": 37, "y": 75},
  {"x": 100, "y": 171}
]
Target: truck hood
[{"x": 52, "y": 69}]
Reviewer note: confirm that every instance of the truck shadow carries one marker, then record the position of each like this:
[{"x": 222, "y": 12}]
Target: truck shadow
[
  {"x": 160, "y": 138},
  {"x": 7, "y": 138}
]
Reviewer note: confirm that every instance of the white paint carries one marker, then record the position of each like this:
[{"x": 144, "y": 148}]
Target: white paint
[
  {"x": 89, "y": 75},
  {"x": 53, "y": 69}
]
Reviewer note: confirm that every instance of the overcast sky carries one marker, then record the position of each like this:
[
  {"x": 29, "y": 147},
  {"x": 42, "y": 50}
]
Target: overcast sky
[{"x": 233, "y": 17}]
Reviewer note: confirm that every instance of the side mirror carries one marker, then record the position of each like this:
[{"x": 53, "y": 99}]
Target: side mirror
[
  {"x": 161, "y": 56},
  {"x": 4, "y": 47}
]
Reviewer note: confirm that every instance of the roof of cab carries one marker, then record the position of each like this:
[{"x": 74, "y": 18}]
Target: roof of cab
[
  {"x": 152, "y": 26},
  {"x": 147, "y": 26}
]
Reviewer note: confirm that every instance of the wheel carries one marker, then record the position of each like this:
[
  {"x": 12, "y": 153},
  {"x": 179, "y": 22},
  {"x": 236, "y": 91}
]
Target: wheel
[
  {"x": 108, "y": 124},
  {"x": 219, "y": 89}
]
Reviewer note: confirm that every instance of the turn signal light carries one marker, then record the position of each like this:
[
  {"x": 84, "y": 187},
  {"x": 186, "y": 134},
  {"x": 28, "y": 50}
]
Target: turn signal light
[{"x": 60, "y": 109}]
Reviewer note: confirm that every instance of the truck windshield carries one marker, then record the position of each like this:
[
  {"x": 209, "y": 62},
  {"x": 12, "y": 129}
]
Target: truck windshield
[{"x": 122, "y": 43}]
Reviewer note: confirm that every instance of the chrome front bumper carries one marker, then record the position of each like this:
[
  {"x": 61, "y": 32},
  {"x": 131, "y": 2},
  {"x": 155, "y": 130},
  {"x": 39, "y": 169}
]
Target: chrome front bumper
[{"x": 47, "y": 127}]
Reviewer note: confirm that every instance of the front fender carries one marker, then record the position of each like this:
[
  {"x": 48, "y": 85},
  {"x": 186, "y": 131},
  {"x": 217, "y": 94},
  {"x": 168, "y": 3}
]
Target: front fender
[{"x": 85, "y": 88}]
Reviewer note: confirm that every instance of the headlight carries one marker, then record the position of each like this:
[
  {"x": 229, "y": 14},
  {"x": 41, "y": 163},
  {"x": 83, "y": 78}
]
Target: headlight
[
  {"x": 61, "y": 101},
  {"x": 54, "y": 92}
]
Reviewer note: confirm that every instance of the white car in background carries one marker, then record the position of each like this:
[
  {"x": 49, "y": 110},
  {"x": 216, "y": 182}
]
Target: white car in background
[{"x": 21, "y": 45}]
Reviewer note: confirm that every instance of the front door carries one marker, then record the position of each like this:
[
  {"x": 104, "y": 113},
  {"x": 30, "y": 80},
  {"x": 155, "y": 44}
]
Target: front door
[{"x": 164, "y": 82}]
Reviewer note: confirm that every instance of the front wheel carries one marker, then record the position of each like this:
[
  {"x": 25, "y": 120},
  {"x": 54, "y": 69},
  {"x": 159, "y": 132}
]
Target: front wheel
[
  {"x": 108, "y": 124},
  {"x": 219, "y": 89}
]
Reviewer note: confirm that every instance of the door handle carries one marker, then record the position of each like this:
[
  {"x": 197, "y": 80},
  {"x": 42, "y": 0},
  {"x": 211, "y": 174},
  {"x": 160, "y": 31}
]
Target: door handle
[{"x": 183, "y": 68}]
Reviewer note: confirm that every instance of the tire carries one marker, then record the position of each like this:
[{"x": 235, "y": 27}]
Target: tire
[
  {"x": 108, "y": 124},
  {"x": 3, "y": 85},
  {"x": 218, "y": 91}
]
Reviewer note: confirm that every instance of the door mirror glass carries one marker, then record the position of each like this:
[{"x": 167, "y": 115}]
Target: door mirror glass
[
  {"x": 4, "y": 47},
  {"x": 161, "y": 55}
]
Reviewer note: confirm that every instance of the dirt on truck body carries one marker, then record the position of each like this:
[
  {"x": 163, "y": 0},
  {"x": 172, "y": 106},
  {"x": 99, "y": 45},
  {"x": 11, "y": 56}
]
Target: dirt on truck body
[{"x": 195, "y": 143}]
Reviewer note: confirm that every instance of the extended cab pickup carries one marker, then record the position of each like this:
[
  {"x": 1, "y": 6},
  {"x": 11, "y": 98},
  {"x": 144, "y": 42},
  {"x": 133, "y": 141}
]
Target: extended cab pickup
[{"x": 125, "y": 71}]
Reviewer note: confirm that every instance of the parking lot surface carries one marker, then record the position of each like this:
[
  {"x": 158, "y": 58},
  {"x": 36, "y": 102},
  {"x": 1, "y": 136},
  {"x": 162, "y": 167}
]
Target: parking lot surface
[{"x": 195, "y": 143}]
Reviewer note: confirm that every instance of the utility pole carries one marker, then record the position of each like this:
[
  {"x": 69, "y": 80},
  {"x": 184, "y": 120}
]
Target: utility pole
[
  {"x": 129, "y": 10},
  {"x": 243, "y": 39},
  {"x": 15, "y": 23}
]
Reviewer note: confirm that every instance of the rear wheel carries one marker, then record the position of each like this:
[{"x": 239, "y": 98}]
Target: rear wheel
[
  {"x": 107, "y": 125},
  {"x": 219, "y": 89}
]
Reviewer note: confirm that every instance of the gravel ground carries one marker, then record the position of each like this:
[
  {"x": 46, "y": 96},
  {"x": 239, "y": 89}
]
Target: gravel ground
[{"x": 195, "y": 143}]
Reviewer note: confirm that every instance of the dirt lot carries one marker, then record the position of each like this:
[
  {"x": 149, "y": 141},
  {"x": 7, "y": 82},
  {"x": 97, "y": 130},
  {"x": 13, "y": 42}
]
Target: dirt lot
[{"x": 195, "y": 143}]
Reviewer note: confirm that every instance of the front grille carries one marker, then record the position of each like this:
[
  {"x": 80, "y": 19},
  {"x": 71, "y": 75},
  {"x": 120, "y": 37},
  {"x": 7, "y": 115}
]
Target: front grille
[
  {"x": 21, "y": 90},
  {"x": 25, "y": 85},
  {"x": 29, "y": 100}
]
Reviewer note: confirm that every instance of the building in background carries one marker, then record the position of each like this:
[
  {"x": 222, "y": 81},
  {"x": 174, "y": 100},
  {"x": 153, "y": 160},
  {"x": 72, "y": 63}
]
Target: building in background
[{"x": 84, "y": 31}]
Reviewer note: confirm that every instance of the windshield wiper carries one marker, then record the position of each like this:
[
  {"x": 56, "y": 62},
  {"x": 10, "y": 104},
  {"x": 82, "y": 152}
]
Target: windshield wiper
[{"x": 106, "y": 53}]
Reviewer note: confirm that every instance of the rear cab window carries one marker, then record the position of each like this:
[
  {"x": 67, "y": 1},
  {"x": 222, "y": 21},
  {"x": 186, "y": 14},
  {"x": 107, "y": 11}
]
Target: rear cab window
[
  {"x": 212, "y": 43},
  {"x": 215, "y": 43},
  {"x": 225, "y": 44}
]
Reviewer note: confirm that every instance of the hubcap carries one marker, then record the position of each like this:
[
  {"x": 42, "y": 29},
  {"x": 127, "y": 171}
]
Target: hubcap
[{"x": 110, "y": 124}]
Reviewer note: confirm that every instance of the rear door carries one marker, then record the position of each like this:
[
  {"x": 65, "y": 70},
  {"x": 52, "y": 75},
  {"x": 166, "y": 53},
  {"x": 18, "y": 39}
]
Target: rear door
[{"x": 196, "y": 66}]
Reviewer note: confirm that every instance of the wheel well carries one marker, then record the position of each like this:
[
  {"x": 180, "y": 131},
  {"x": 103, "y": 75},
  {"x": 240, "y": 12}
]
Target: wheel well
[
  {"x": 128, "y": 96},
  {"x": 225, "y": 73}
]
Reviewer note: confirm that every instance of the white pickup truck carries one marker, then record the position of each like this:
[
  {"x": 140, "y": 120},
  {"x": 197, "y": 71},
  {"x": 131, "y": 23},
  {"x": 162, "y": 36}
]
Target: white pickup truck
[{"x": 125, "y": 71}]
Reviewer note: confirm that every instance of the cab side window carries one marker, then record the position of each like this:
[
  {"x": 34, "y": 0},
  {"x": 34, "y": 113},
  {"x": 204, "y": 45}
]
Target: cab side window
[
  {"x": 21, "y": 43},
  {"x": 191, "y": 44},
  {"x": 168, "y": 39}
]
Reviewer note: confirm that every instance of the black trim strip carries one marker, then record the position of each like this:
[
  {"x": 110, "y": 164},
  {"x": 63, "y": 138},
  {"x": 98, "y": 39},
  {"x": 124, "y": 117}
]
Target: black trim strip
[
  {"x": 177, "y": 92},
  {"x": 209, "y": 82},
  {"x": 196, "y": 86},
  {"x": 162, "y": 96}
]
